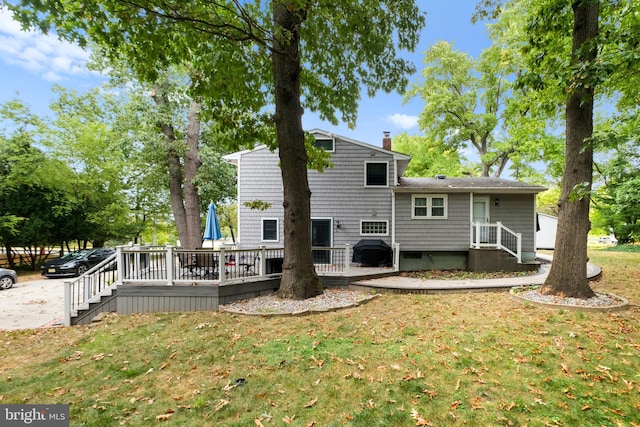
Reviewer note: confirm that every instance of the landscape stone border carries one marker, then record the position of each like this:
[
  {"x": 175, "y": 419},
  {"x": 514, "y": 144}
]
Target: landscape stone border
[
  {"x": 304, "y": 312},
  {"x": 622, "y": 303}
]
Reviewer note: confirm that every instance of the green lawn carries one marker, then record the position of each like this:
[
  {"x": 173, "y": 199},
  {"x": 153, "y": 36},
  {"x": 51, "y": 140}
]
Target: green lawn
[{"x": 475, "y": 359}]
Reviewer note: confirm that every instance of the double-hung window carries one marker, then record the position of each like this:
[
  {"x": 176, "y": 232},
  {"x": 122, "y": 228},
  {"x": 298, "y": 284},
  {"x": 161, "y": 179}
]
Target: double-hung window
[
  {"x": 269, "y": 230},
  {"x": 376, "y": 174},
  {"x": 429, "y": 206}
]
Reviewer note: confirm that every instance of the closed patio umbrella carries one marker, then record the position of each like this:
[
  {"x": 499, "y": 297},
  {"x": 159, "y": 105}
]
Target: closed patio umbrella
[{"x": 212, "y": 226}]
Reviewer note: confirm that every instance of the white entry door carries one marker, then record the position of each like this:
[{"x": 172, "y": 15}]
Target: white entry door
[{"x": 481, "y": 215}]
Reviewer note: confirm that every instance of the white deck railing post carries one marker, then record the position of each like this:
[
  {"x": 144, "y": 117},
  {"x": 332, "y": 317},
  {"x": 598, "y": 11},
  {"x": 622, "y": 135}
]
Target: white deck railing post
[
  {"x": 477, "y": 246},
  {"x": 499, "y": 234},
  {"x": 471, "y": 235},
  {"x": 120, "y": 263},
  {"x": 222, "y": 267},
  {"x": 169, "y": 264},
  {"x": 67, "y": 303},
  {"x": 347, "y": 259},
  {"x": 519, "y": 237},
  {"x": 263, "y": 261}
]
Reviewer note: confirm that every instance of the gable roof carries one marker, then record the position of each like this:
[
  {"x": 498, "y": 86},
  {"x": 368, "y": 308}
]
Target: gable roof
[
  {"x": 402, "y": 159},
  {"x": 395, "y": 154},
  {"x": 467, "y": 184}
]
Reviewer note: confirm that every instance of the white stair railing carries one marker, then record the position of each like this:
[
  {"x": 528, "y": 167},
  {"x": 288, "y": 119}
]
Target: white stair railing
[{"x": 487, "y": 235}]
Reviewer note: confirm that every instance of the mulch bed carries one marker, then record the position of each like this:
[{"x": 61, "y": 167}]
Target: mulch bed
[{"x": 462, "y": 274}]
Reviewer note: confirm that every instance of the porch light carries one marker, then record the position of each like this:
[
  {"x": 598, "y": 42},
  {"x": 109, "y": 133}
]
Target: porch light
[{"x": 496, "y": 201}]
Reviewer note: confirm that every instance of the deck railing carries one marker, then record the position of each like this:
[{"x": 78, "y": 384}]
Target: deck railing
[
  {"x": 79, "y": 292},
  {"x": 486, "y": 235},
  {"x": 167, "y": 266}
]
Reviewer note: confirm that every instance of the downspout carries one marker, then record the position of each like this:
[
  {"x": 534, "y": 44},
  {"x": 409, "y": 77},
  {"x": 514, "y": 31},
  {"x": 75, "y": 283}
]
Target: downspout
[
  {"x": 239, "y": 222},
  {"x": 471, "y": 219},
  {"x": 535, "y": 224},
  {"x": 393, "y": 217}
]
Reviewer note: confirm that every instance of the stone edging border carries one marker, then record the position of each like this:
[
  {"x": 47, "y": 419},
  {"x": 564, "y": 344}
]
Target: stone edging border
[
  {"x": 623, "y": 305},
  {"x": 301, "y": 312}
]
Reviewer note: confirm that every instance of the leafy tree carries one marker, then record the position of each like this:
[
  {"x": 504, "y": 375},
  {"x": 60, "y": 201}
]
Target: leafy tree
[
  {"x": 616, "y": 202},
  {"x": 428, "y": 157},
  {"x": 577, "y": 51},
  {"x": 229, "y": 45},
  {"x": 34, "y": 207},
  {"x": 473, "y": 102}
]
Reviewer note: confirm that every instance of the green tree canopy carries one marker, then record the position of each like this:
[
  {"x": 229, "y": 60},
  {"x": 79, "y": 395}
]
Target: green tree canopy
[
  {"x": 243, "y": 56},
  {"x": 473, "y": 103},
  {"x": 428, "y": 157}
]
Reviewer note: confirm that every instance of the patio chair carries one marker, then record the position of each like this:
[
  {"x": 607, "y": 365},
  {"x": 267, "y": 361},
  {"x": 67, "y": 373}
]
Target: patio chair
[
  {"x": 249, "y": 264},
  {"x": 200, "y": 264}
]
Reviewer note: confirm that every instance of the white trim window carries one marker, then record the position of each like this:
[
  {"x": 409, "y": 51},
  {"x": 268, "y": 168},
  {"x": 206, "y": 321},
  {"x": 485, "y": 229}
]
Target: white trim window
[
  {"x": 429, "y": 206},
  {"x": 270, "y": 229},
  {"x": 374, "y": 228},
  {"x": 376, "y": 174}
]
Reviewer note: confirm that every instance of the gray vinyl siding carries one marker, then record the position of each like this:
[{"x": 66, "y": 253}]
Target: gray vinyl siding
[
  {"x": 338, "y": 193},
  {"x": 516, "y": 212},
  {"x": 451, "y": 234},
  {"x": 259, "y": 179}
]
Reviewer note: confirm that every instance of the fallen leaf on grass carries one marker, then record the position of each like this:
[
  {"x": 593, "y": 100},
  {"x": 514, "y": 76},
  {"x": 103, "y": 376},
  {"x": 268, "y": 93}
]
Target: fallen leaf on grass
[
  {"x": 420, "y": 421},
  {"x": 310, "y": 403},
  {"x": 221, "y": 404},
  {"x": 288, "y": 419},
  {"x": 165, "y": 417},
  {"x": 476, "y": 403},
  {"x": 455, "y": 404},
  {"x": 319, "y": 363}
]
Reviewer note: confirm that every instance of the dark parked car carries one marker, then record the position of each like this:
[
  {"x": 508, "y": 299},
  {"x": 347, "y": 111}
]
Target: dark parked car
[
  {"x": 75, "y": 263},
  {"x": 7, "y": 278}
]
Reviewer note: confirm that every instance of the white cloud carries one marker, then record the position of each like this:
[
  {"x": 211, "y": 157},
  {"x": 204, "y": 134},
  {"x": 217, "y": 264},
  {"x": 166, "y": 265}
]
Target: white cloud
[
  {"x": 52, "y": 59},
  {"x": 403, "y": 121}
]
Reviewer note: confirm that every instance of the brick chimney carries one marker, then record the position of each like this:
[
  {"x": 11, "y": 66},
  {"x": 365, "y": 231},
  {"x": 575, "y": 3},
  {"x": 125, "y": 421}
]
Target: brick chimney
[{"x": 386, "y": 141}]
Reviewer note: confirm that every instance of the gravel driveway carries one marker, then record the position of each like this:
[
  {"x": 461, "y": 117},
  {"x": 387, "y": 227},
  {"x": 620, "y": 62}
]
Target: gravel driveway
[{"x": 32, "y": 304}]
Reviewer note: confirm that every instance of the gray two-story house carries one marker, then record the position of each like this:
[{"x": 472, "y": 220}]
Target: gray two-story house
[{"x": 440, "y": 222}]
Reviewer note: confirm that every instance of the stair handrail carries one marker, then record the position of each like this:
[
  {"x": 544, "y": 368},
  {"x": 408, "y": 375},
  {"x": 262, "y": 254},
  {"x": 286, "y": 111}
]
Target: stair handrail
[
  {"x": 502, "y": 235},
  {"x": 518, "y": 236},
  {"x": 88, "y": 287}
]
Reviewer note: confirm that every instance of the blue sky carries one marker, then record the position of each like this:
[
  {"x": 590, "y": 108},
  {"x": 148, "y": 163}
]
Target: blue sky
[{"x": 31, "y": 63}]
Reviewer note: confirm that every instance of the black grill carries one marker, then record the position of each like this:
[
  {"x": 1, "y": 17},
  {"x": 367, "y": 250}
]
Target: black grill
[{"x": 372, "y": 253}]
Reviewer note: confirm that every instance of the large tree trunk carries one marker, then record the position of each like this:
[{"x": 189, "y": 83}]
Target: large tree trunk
[
  {"x": 192, "y": 163},
  {"x": 299, "y": 279},
  {"x": 568, "y": 275},
  {"x": 183, "y": 195}
]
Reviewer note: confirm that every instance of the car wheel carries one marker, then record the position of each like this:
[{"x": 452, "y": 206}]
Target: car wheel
[
  {"x": 6, "y": 282},
  {"x": 81, "y": 269}
]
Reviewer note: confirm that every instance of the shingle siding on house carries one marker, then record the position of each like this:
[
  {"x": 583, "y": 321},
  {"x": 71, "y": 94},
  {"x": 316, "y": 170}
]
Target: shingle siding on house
[
  {"x": 338, "y": 193},
  {"x": 259, "y": 179},
  {"x": 516, "y": 212},
  {"x": 451, "y": 234}
]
